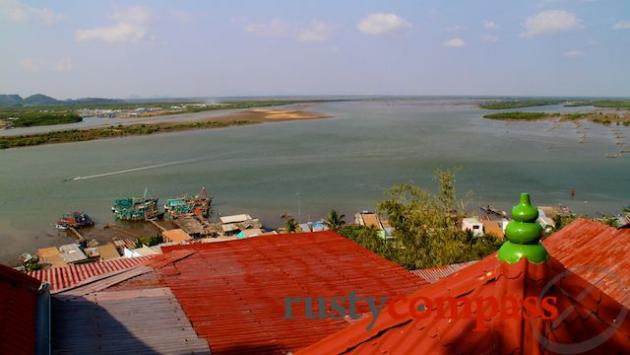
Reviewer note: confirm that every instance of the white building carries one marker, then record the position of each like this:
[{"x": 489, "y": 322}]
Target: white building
[{"x": 474, "y": 225}]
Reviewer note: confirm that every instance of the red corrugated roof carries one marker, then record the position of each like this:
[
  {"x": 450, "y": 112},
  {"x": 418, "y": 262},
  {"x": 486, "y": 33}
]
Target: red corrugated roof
[
  {"x": 434, "y": 274},
  {"x": 234, "y": 292},
  {"x": 18, "y": 312},
  {"x": 68, "y": 276},
  {"x": 587, "y": 318},
  {"x": 598, "y": 253}
]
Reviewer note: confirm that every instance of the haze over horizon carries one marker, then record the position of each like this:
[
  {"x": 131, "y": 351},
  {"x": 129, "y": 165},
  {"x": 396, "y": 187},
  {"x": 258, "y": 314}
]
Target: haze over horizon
[{"x": 248, "y": 48}]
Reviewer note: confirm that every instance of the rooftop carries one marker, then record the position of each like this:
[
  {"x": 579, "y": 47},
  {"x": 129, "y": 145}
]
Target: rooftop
[
  {"x": 18, "y": 312},
  {"x": 63, "y": 277},
  {"x": 598, "y": 253},
  {"x": 235, "y": 218},
  {"x": 233, "y": 292},
  {"x": 176, "y": 235},
  {"x": 435, "y": 274},
  {"x": 147, "y": 321},
  {"x": 519, "y": 300},
  {"x": 583, "y": 318}
]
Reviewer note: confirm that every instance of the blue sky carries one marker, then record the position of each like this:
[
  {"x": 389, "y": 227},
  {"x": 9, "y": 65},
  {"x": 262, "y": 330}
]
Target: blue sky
[{"x": 233, "y": 48}]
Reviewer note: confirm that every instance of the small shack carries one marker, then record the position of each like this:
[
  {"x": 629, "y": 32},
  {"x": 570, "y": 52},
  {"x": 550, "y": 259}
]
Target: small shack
[
  {"x": 233, "y": 225},
  {"x": 72, "y": 254},
  {"x": 51, "y": 256},
  {"x": 473, "y": 225},
  {"x": 176, "y": 236},
  {"x": 108, "y": 251}
]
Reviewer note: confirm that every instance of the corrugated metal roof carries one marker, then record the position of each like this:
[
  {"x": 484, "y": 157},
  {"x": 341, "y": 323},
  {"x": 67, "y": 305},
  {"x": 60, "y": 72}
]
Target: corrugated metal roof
[
  {"x": 68, "y": 276},
  {"x": 585, "y": 316},
  {"x": 434, "y": 274},
  {"x": 598, "y": 253},
  {"x": 18, "y": 312},
  {"x": 235, "y": 218},
  {"x": 108, "y": 251},
  {"x": 148, "y": 321},
  {"x": 234, "y": 292},
  {"x": 71, "y": 253}
]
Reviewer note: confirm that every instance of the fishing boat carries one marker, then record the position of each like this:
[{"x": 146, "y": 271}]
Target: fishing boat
[
  {"x": 136, "y": 208},
  {"x": 75, "y": 220},
  {"x": 199, "y": 205}
]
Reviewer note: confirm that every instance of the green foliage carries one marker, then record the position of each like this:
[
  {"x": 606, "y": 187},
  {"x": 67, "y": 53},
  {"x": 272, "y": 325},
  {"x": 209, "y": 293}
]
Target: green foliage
[
  {"x": 148, "y": 240},
  {"x": 427, "y": 231},
  {"x": 563, "y": 220},
  {"x": 508, "y": 104},
  {"x": 77, "y": 135},
  {"x": 334, "y": 220},
  {"x": 369, "y": 238},
  {"x": 32, "y": 265},
  {"x": 521, "y": 116},
  {"x": 619, "y": 104},
  {"x": 29, "y": 119},
  {"x": 291, "y": 225},
  {"x": 574, "y": 116}
]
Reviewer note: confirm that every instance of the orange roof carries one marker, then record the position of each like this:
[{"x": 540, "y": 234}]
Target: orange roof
[
  {"x": 68, "y": 276},
  {"x": 436, "y": 273},
  {"x": 18, "y": 311},
  {"x": 598, "y": 253},
  {"x": 176, "y": 235},
  {"x": 371, "y": 220},
  {"x": 234, "y": 292},
  {"x": 582, "y": 317}
]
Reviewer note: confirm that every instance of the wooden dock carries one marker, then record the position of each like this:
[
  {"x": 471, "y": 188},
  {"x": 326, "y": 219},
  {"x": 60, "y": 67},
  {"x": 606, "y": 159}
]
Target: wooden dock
[
  {"x": 76, "y": 233},
  {"x": 156, "y": 224}
]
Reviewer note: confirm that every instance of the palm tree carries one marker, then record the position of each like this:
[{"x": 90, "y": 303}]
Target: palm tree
[
  {"x": 290, "y": 224},
  {"x": 334, "y": 221}
]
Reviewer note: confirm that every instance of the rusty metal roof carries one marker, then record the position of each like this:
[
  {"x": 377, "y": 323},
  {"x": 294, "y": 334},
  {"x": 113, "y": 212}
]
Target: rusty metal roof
[
  {"x": 18, "y": 312},
  {"x": 584, "y": 319},
  {"x": 598, "y": 253},
  {"x": 233, "y": 292},
  {"x": 434, "y": 274},
  {"x": 68, "y": 276},
  {"x": 147, "y": 321}
]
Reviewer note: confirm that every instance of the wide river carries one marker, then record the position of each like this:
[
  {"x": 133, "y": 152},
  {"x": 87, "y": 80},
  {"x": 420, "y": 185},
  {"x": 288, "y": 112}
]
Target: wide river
[{"x": 305, "y": 168}]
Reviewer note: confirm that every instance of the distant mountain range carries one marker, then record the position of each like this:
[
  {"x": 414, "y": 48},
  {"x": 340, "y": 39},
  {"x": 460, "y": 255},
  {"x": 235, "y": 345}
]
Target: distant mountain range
[{"x": 43, "y": 100}]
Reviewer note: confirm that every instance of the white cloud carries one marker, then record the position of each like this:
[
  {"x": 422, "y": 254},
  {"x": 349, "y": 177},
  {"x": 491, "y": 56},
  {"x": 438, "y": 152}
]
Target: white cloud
[
  {"x": 622, "y": 25},
  {"x": 131, "y": 26},
  {"x": 317, "y": 31},
  {"x": 573, "y": 53},
  {"x": 29, "y": 65},
  {"x": 381, "y": 23},
  {"x": 18, "y": 12},
  {"x": 273, "y": 28},
  {"x": 454, "y": 43},
  {"x": 490, "y": 25},
  {"x": 490, "y": 38},
  {"x": 64, "y": 65},
  {"x": 551, "y": 21}
]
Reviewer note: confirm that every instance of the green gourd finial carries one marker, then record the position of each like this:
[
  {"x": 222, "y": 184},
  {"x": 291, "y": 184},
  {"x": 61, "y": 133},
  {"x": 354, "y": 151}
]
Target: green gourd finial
[{"x": 523, "y": 235}]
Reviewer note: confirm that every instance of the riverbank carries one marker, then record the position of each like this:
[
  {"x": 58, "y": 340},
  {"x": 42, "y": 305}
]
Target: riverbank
[
  {"x": 254, "y": 116},
  {"x": 601, "y": 117}
]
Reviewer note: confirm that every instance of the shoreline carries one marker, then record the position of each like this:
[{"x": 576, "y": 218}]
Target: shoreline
[
  {"x": 247, "y": 117},
  {"x": 600, "y": 117}
]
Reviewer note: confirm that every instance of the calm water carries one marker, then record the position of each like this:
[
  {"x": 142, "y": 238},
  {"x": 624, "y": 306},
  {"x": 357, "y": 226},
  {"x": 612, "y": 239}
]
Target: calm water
[{"x": 306, "y": 168}]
